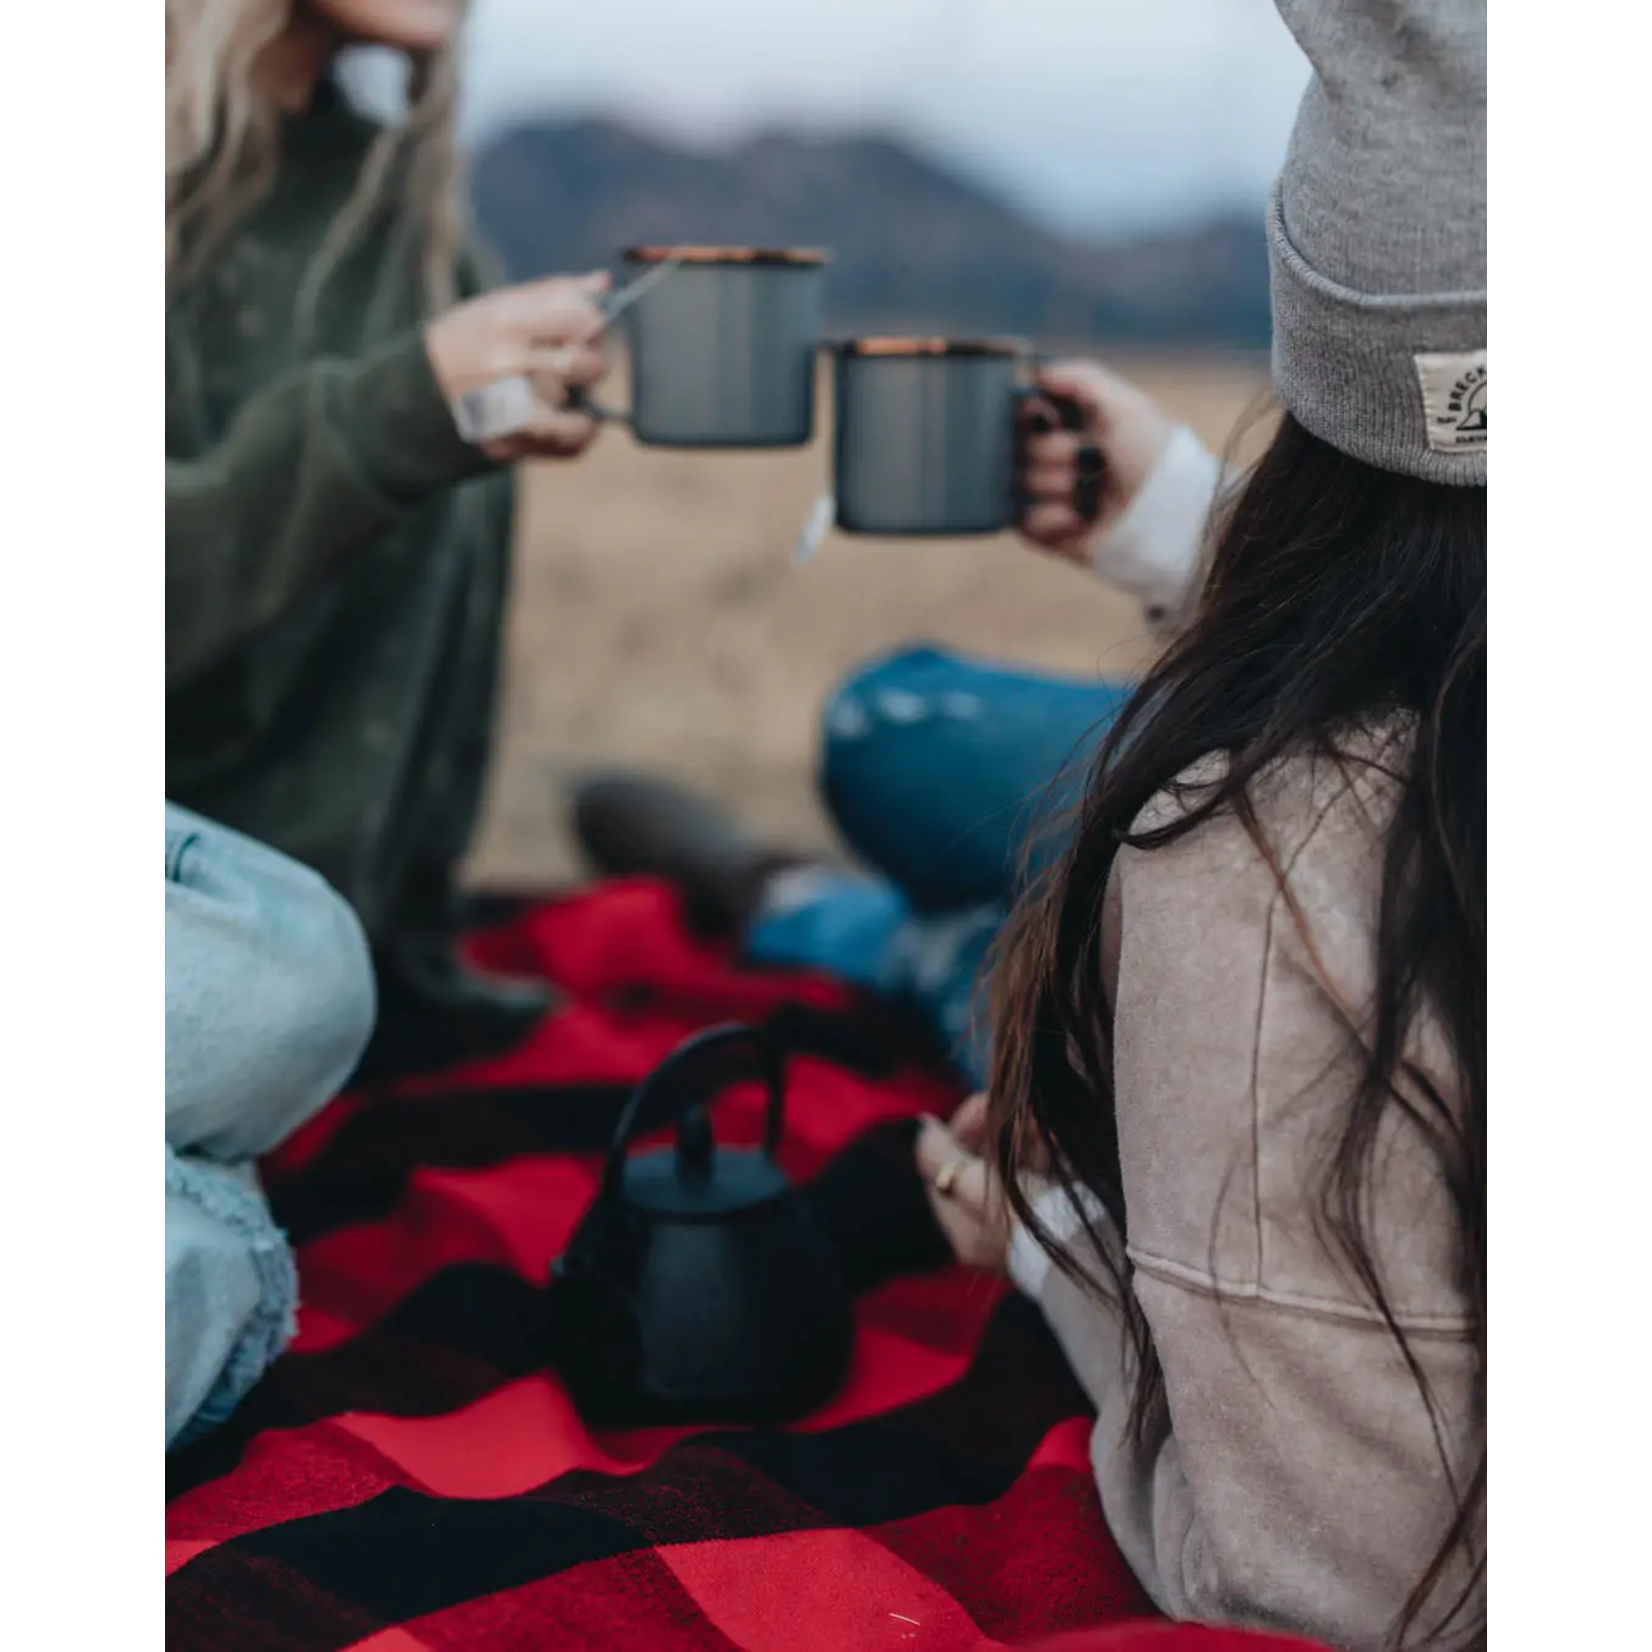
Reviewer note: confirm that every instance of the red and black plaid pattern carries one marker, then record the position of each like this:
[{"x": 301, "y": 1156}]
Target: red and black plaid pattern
[{"x": 411, "y": 1478}]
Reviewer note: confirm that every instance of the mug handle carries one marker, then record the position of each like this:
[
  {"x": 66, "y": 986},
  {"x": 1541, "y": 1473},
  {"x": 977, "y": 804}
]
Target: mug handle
[
  {"x": 613, "y": 306},
  {"x": 580, "y": 400},
  {"x": 1091, "y": 485}
]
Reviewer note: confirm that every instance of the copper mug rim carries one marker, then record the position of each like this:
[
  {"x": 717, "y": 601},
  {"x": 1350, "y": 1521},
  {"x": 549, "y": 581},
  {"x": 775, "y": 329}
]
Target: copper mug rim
[
  {"x": 789, "y": 257},
  {"x": 998, "y": 348}
]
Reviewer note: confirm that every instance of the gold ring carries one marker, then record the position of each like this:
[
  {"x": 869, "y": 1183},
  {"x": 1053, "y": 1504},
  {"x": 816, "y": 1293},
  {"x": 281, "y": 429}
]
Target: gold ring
[{"x": 947, "y": 1175}]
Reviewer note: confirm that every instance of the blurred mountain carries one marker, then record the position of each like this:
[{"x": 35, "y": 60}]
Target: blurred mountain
[{"x": 914, "y": 242}]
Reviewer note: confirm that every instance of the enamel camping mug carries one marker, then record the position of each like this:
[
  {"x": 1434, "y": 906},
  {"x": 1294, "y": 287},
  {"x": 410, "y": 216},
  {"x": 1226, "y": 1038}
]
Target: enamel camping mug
[
  {"x": 929, "y": 431},
  {"x": 722, "y": 344}
]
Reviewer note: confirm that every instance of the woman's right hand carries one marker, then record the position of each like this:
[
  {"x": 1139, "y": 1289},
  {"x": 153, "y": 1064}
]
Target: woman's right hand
[
  {"x": 1128, "y": 428},
  {"x": 547, "y": 332},
  {"x": 965, "y": 1197},
  {"x": 969, "y": 1122}
]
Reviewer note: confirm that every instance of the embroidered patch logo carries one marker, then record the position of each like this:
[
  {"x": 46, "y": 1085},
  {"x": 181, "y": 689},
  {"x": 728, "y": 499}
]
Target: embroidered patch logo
[{"x": 1454, "y": 400}]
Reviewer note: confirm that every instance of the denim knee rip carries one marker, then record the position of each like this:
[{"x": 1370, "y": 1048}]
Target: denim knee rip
[{"x": 230, "y": 1195}]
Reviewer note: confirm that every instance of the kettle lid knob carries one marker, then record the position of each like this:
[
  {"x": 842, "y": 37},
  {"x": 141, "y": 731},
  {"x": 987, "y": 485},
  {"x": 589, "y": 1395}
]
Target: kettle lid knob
[{"x": 695, "y": 1146}]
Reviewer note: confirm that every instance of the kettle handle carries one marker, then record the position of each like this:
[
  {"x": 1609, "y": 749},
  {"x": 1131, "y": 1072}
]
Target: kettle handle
[{"x": 639, "y": 1110}]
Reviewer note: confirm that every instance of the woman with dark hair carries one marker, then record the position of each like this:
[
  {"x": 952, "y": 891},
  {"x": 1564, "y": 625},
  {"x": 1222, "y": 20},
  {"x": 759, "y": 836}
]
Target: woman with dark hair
[
  {"x": 1234, "y": 1137},
  {"x": 1235, "y": 1140}
]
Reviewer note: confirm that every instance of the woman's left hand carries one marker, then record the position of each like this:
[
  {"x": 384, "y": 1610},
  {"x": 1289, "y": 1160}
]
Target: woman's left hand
[{"x": 966, "y": 1197}]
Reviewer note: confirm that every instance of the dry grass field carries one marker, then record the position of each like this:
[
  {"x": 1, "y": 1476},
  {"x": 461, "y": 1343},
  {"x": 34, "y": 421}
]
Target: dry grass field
[{"x": 659, "y": 620}]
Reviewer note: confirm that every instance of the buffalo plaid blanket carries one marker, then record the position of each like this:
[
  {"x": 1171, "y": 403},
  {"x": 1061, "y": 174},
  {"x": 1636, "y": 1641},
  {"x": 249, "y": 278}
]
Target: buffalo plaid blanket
[{"x": 411, "y": 1476}]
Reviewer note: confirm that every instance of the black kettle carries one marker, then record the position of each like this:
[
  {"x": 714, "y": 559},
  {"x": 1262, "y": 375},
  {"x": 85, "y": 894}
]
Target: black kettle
[{"x": 699, "y": 1288}]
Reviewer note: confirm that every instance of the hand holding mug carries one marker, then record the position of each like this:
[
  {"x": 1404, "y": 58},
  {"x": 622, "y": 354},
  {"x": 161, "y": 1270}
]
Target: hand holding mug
[
  {"x": 547, "y": 336},
  {"x": 1124, "y": 433}
]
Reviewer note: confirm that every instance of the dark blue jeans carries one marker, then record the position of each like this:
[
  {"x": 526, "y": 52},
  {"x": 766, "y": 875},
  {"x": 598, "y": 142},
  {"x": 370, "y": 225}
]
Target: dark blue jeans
[{"x": 944, "y": 774}]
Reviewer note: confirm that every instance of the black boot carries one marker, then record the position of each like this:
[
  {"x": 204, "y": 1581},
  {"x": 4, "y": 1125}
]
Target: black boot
[
  {"x": 635, "y": 825},
  {"x": 435, "y": 1010}
]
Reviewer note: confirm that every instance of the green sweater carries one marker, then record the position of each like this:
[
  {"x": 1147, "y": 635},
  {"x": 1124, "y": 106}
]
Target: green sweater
[{"x": 336, "y": 556}]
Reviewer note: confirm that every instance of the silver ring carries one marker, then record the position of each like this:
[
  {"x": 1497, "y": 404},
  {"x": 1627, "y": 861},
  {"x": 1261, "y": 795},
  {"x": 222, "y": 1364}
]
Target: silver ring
[{"x": 493, "y": 411}]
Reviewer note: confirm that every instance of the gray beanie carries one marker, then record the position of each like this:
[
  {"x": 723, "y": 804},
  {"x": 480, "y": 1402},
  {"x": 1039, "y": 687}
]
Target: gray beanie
[{"x": 1377, "y": 235}]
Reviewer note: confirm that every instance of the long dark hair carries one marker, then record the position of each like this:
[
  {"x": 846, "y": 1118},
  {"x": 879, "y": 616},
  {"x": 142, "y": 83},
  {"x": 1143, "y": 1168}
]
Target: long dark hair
[{"x": 1339, "y": 598}]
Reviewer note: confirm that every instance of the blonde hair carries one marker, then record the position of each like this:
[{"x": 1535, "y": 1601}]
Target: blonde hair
[{"x": 222, "y": 148}]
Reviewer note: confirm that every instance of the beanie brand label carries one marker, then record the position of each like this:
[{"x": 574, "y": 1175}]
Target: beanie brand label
[{"x": 1454, "y": 400}]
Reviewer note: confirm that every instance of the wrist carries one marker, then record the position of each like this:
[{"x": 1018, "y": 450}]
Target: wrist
[
  {"x": 399, "y": 420},
  {"x": 1153, "y": 549}
]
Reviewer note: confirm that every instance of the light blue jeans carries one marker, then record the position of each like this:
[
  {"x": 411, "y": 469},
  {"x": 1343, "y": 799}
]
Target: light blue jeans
[
  {"x": 946, "y": 775},
  {"x": 269, "y": 1004}
]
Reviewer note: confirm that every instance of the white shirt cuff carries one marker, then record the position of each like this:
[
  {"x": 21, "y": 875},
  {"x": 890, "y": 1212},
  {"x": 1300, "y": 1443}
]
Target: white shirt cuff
[
  {"x": 1154, "y": 550},
  {"x": 1058, "y": 1215}
]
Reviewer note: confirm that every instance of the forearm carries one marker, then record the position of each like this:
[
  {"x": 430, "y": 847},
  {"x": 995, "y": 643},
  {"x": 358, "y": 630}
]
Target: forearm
[{"x": 313, "y": 468}]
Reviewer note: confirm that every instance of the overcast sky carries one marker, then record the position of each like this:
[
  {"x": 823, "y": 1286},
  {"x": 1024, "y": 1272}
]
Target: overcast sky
[{"x": 1094, "y": 113}]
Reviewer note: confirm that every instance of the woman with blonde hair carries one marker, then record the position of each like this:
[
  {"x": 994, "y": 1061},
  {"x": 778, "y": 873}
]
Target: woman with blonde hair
[{"x": 337, "y": 550}]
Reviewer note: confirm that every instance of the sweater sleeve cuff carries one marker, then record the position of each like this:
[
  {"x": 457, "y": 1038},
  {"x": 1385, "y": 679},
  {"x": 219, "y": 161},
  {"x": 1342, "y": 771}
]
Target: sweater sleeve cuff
[
  {"x": 400, "y": 426},
  {"x": 1154, "y": 550}
]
